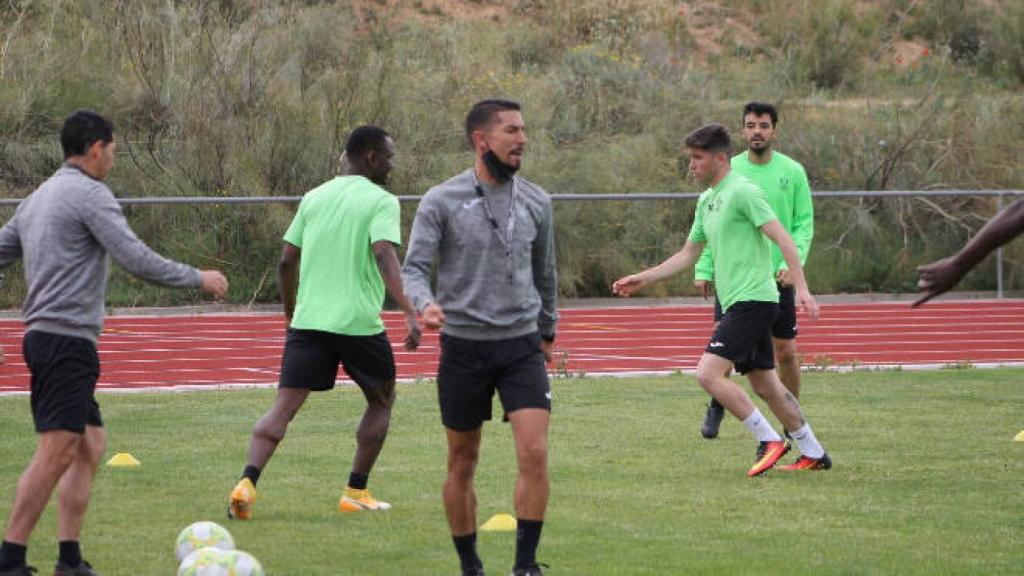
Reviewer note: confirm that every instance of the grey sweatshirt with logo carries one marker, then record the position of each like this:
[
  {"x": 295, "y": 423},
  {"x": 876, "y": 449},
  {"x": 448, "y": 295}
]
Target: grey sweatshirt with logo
[
  {"x": 64, "y": 232},
  {"x": 489, "y": 289}
]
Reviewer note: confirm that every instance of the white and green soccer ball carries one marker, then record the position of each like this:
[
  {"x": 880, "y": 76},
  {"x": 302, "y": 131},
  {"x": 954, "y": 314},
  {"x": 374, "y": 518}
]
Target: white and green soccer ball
[
  {"x": 201, "y": 561},
  {"x": 201, "y": 535},
  {"x": 238, "y": 563}
]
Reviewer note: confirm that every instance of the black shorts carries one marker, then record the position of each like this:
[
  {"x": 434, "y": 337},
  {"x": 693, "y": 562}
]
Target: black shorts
[
  {"x": 311, "y": 359},
  {"x": 471, "y": 370},
  {"x": 784, "y": 327},
  {"x": 744, "y": 336},
  {"x": 64, "y": 373}
]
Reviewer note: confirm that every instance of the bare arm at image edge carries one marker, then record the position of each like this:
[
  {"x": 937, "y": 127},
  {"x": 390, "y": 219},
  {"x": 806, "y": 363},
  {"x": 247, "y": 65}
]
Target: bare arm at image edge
[{"x": 942, "y": 275}]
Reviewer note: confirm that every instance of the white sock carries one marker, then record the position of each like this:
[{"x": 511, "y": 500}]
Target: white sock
[
  {"x": 760, "y": 427},
  {"x": 807, "y": 443}
]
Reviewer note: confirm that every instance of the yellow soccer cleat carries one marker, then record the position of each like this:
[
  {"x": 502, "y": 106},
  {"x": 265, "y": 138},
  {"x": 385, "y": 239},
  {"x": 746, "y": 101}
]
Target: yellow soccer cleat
[
  {"x": 354, "y": 500},
  {"x": 242, "y": 499}
]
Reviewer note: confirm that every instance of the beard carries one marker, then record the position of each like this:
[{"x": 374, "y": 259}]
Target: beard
[
  {"x": 499, "y": 170},
  {"x": 759, "y": 148}
]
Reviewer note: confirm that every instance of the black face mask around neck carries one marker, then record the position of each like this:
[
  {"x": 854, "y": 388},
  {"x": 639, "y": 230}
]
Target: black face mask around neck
[{"x": 499, "y": 170}]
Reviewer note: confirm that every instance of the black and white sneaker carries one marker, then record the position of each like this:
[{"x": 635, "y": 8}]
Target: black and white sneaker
[
  {"x": 529, "y": 570},
  {"x": 83, "y": 569},
  {"x": 712, "y": 420}
]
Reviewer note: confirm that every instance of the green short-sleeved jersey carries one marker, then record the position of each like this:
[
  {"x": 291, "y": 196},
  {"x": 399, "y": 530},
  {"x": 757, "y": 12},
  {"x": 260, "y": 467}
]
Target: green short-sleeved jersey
[
  {"x": 340, "y": 287},
  {"x": 784, "y": 182},
  {"x": 789, "y": 194},
  {"x": 729, "y": 219}
]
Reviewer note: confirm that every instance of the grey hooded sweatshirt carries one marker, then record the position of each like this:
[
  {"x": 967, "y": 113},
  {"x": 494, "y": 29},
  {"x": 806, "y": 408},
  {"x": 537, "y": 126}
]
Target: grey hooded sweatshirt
[
  {"x": 492, "y": 282},
  {"x": 64, "y": 231}
]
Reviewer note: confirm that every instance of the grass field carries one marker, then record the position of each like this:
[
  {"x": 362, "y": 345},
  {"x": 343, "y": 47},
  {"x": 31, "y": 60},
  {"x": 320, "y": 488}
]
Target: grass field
[{"x": 926, "y": 481}]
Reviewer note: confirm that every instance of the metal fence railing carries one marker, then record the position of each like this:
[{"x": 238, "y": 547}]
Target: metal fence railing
[
  {"x": 200, "y": 200},
  {"x": 152, "y": 200}
]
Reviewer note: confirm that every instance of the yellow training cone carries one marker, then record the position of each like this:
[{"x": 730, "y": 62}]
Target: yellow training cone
[
  {"x": 123, "y": 460},
  {"x": 1019, "y": 437},
  {"x": 499, "y": 523}
]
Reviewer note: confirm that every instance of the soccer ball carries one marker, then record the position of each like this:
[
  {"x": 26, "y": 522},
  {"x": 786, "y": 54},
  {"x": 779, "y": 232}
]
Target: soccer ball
[
  {"x": 200, "y": 562},
  {"x": 200, "y": 535},
  {"x": 238, "y": 563}
]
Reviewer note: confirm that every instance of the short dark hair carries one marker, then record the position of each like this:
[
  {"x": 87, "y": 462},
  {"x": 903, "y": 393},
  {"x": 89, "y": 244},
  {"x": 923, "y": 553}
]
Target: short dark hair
[
  {"x": 760, "y": 109},
  {"x": 711, "y": 138},
  {"x": 364, "y": 139},
  {"x": 482, "y": 113},
  {"x": 81, "y": 129}
]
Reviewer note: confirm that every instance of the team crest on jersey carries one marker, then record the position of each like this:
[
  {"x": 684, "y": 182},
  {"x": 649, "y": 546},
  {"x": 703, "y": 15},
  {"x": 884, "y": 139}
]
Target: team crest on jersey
[
  {"x": 784, "y": 181},
  {"x": 714, "y": 204}
]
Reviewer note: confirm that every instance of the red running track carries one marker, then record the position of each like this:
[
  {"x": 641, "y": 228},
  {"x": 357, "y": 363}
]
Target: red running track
[{"x": 244, "y": 349}]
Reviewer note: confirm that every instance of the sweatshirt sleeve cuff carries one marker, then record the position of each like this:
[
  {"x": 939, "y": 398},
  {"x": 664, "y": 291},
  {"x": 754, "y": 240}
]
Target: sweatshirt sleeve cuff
[{"x": 547, "y": 327}]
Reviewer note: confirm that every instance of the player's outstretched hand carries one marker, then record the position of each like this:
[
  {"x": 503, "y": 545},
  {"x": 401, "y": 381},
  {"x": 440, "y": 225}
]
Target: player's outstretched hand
[
  {"x": 433, "y": 316},
  {"x": 807, "y": 303},
  {"x": 628, "y": 285},
  {"x": 214, "y": 283},
  {"x": 412, "y": 332},
  {"x": 936, "y": 278}
]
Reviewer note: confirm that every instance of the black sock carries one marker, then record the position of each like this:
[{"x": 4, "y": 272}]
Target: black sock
[
  {"x": 12, "y": 555},
  {"x": 716, "y": 402},
  {"x": 252, "y": 473},
  {"x": 358, "y": 481},
  {"x": 466, "y": 547},
  {"x": 527, "y": 539},
  {"x": 70, "y": 553}
]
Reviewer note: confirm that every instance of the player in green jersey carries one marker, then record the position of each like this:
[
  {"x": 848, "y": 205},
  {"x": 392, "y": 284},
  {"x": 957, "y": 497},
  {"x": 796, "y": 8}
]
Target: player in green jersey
[
  {"x": 784, "y": 182},
  {"x": 734, "y": 219},
  {"x": 338, "y": 259}
]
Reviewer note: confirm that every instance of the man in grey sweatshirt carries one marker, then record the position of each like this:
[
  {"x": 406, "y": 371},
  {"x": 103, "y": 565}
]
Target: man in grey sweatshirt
[
  {"x": 65, "y": 232},
  {"x": 491, "y": 233}
]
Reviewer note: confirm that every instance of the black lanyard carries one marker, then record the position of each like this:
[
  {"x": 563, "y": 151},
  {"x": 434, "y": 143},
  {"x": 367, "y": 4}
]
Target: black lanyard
[{"x": 510, "y": 229}]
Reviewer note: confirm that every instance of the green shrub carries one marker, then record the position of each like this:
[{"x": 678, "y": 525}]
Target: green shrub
[{"x": 256, "y": 98}]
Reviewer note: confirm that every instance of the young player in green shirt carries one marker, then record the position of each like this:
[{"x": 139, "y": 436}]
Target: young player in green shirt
[
  {"x": 338, "y": 259},
  {"x": 734, "y": 219},
  {"x": 785, "y": 184}
]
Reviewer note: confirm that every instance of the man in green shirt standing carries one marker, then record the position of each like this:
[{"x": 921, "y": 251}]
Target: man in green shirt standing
[
  {"x": 734, "y": 219},
  {"x": 340, "y": 251},
  {"x": 784, "y": 182}
]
